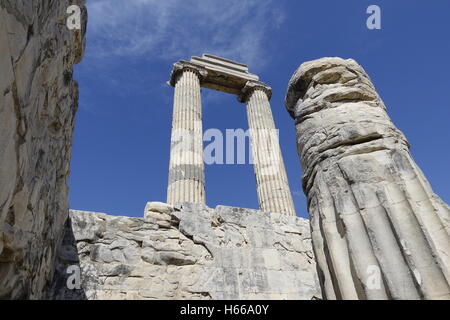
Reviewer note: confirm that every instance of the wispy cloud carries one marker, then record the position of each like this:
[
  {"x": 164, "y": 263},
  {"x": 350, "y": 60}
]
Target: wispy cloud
[
  {"x": 173, "y": 29},
  {"x": 298, "y": 194}
]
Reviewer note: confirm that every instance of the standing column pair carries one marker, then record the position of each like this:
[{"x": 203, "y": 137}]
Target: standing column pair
[{"x": 186, "y": 168}]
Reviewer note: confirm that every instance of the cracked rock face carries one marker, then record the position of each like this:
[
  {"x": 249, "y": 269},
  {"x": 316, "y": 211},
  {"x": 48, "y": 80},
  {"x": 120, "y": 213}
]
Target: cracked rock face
[
  {"x": 378, "y": 229},
  {"x": 38, "y": 100},
  {"x": 187, "y": 252}
]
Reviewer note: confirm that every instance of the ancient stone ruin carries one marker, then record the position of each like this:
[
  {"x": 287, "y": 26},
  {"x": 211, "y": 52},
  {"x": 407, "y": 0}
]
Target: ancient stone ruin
[
  {"x": 183, "y": 249},
  {"x": 186, "y": 176},
  {"x": 373, "y": 213},
  {"x": 187, "y": 251},
  {"x": 376, "y": 229},
  {"x": 38, "y": 102}
]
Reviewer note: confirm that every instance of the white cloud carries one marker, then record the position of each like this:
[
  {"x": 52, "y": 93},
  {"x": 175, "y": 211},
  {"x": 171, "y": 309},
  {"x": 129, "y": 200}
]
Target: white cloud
[
  {"x": 174, "y": 29},
  {"x": 297, "y": 193}
]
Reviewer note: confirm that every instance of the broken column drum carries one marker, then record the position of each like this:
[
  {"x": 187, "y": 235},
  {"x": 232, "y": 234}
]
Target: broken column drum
[{"x": 378, "y": 230}]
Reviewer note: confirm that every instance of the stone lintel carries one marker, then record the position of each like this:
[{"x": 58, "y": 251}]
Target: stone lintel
[
  {"x": 251, "y": 86},
  {"x": 211, "y": 57},
  {"x": 217, "y": 73},
  {"x": 224, "y": 65}
]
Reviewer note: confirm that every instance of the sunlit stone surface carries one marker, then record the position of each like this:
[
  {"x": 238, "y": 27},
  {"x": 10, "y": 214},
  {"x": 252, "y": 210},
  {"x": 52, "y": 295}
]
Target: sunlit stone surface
[{"x": 378, "y": 230}]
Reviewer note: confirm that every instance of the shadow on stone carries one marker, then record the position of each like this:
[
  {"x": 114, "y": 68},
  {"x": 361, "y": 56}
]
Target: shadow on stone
[{"x": 67, "y": 280}]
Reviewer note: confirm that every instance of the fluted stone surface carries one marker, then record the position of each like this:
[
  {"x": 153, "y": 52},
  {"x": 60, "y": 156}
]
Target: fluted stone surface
[
  {"x": 186, "y": 169},
  {"x": 187, "y": 252},
  {"x": 272, "y": 184},
  {"x": 38, "y": 101},
  {"x": 372, "y": 210}
]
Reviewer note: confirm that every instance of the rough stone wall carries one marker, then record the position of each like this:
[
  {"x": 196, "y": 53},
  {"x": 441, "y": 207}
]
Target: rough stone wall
[
  {"x": 190, "y": 252},
  {"x": 378, "y": 230},
  {"x": 38, "y": 100}
]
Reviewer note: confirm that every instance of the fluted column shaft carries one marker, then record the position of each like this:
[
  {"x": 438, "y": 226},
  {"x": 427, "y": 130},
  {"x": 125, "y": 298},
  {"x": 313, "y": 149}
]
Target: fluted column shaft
[
  {"x": 271, "y": 180},
  {"x": 378, "y": 230},
  {"x": 186, "y": 169}
]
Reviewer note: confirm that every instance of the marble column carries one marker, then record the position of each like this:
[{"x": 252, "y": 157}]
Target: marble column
[
  {"x": 186, "y": 169},
  {"x": 271, "y": 180},
  {"x": 378, "y": 230}
]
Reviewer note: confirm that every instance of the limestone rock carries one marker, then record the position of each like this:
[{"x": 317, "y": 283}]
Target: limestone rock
[
  {"x": 202, "y": 253},
  {"x": 160, "y": 207},
  {"x": 378, "y": 230},
  {"x": 160, "y": 212},
  {"x": 38, "y": 101}
]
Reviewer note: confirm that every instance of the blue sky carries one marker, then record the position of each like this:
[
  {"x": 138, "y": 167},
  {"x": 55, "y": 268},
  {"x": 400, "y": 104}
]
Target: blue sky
[{"x": 120, "y": 152}]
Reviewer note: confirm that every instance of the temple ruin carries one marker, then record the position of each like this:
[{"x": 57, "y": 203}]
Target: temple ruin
[
  {"x": 376, "y": 229},
  {"x": 186, "y": 171}
]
